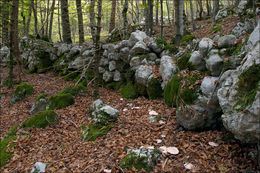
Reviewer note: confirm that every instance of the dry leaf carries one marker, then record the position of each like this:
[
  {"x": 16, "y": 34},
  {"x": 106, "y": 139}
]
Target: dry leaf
[{"x": 213, "y": 144}]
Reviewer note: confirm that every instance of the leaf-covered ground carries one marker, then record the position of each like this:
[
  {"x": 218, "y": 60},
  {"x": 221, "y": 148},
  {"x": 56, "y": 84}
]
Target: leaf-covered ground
[{"x": 62, "y": 147}]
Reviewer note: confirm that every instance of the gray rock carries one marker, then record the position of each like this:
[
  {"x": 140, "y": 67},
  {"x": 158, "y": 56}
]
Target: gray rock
[
  {"x": 215, "y": 39},
  {"x": 123, "y": 44},
  {"x": 103, "y": 61},
  {"x": 4, "y": 54},
  {"x": 152, "y": 57},
  {"x": 88, "y": 53},
  {"x": 242, "y": 6},
  {"x": 101, "y": 70},
  {"x": 139, "y": 48},
  {"x": 143, "y": 73},
  {"x": 254, "y": 37},
  {"x": 214, "y": 64},
  {"x": 167, "y": 69},
  {"x": 226, "y": 41},
  {"x": 124, "y": 54},
  {"x": 207, "y": 86},
  {"x": 39, "y": 167},
  {"x": 221, "y": 14},
  {"x": 165, "y": 53},
  {"x": 63, "y": 48},
  {"x": 113, "y": 56},
  {"x": 205, "y": 45},
  {"x": 213, "y": 52},
  {"x": 109, "y": 47},
  {"x": 197, "y": 61},
  {"x": 136, "y": 37},
  {"x": 135, "y": 62},
  {"x": 74, "y": 51},
  {"x": 240, "y": 27},
  {"x": 154, "y": 46},
  {"x": 38, "y": 106},
  {"x": 112, "y": 66},
  {"x": 107, "y": 76},
  {"x": 243, "y": 124},
  {"x": 110, "y": 111},
  {"x": 78, "y": 63},
  {"x": 117, "y": 76},
  {"x": 222, "y": 51}
]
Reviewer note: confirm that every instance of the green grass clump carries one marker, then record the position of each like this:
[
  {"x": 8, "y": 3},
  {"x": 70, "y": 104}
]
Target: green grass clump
[
  {"x": 183, "y": 62},
  {"x": 22, "y": 91},
  {"x": 128, "y": 91},
  {"x": 93, "y": 131},
  {"x": 41, "y": 120},
  {"x": 247, "y": 87},
  {"x": 154, "y": 89},
  {"x": 171, "y": 91},
  {"x": 114, "y": 85},
  {"x": 215, "y": 29},
  {"x": 187, "y": 38},
  {"x": 59, "y": 101}
]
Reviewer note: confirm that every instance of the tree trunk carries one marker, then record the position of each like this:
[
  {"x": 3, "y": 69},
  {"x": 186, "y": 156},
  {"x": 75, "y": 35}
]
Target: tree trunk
[
  {"x": 27, "y": 29},
  {"x": 80, "y": 22},
  {"x": 201, "y": 9},
  {"x": 208, "y": 7},
  {"x": 168, "y": 11},
  {"x": 161, "y": 2},
  {"x": 34, "y": 6},
  {"x": 192, "y": 16},
  {"x": 47, "y": 19},
  {"x": 5, "y": 22},
  {"x": 51, "y": 19},
  {"x": 125, "y": 23},
  {"x": 23, "y": 17},
  {"x": 92, "y": 19},
  {"x": 157, "y": 13},
  {"x": 179, "y": 6},
  {"x": 113, "y": 16},
  {"x": 215, "y": 10},
  {"x": 59, "y": 21},
  {"x": 65, "y": 22},
  {"x": 150, "y": 24}
]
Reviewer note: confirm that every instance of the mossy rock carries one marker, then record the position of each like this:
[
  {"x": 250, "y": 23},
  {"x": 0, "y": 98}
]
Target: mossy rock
[
  {"x": 128, "y": 91},
  {"x": 141, "y": 159},
  {"x": 129, "y": 75},
  {"x": 140, "y": 89},
  {"x": 93, "y": 131},
  {"x": 187, "y": 38},
  {"x": 154, "y": 89},
  {"x": 41, "y": 96},
  {"x": 183, "y": 62},
  {"x": 41, "y": 120},
  {"x": 80, "y": 88},
  {"x": 59, "y": 101},
  {"x": 45, "y": 63},
  {"x": 22, "y": 91},
  {"x": 114, "y": 85},
  {"x": 171, "y": 91},
  {"x": 247, "y": 87}
]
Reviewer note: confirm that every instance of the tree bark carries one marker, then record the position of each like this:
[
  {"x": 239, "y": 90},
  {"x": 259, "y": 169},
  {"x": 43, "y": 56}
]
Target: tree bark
[
  {"x": 92, "y": 19},
  {"x": 192, "y": 16},
  {"x": 51, "y": 19},
  {"x": 47, "y": 19},
  {"x": 146, "y": 15},
  {"x": 59, "y": 21},
  {"x": 161, "y": 2},
  {"x": 80, "y": 21},
  {"x": 34, "y": 6},
  {"x": 113, "y": 16},
  {"x": 65, "y": 22},
  {"x": 157, "y": 13},
  {"x": 168, "y": 11},
  {"x": 150, "y": 24},
  {"x": 215, "y": 10},
  {"x": 5, "y": 22},
  {"x": 125, "y": 22},
  {"x": 201, "y": 9},
  {"x": 27, "y": 29},
  {"x": 179, "y": 6}
]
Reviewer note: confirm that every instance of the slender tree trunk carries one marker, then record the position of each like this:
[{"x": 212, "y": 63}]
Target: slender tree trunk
[
  {"x": 27, "y": 29},
  {"x": 92, "y": 19},
  {"x": 161, "y": 2},
  {"x": 157, "y": 13},
  {"x": 192, "y": 16},
  {"x": 47, "y": 20},
  {"x": 150, "y": 5},
  {"x": 80, "y": 22},
  {"x": 146, "y": 16},
  {"x": 34, "y": 6},
  {"x": 23, "y": 17},
  {"x": 179, "y": 6},
  {"x": 113, "y": 16},
  {"x": 51, "y": 19},
  {"x": 59, "y": 21},
  {"x": 215, "y": 10},
  {"x": 5, "y": 22},
  {"x": 137, "y": 11},
  {"x": 168, "y": 11},
  {"x": 208, "y": 7},
  {"x": 65, "y": 22},
  {"x": 125, "y": 23},
  {"x": 201, "y": 9}
]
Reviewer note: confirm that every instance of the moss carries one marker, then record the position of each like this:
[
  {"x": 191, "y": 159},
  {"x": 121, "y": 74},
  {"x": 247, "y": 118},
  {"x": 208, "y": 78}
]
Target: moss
[
  {"x": 93, "y": 131},
  {"x": 114, "y": 85},
  {"x": 9, "y": 82},
  {"x": 145, "y": 56},
  {"x": 90, "y": 74},
  {"x": 188, "y": 95},
  {"x": 13, "y": 131},
  {"x": 41, "y": 120},
  {"x": 45, "y": 63},
  {"x": 71, "y": 76},
  {"x": 215, "y": 29},
  {"x": 172, "y": 48},
  {"x": 140, "y": 89},
  {"x": 41, "y": 96},
  {"x": 171, "y": 91},
  {"x": 187, "y": 38},
  {"x": 193, "y": 79},
  {"x": 4, "y": 146},
  {"x": 80, "y": 88},
  {"x": 183, "y": 62},
  {"x": 161, "y": 41},
  {"x": 129, "y": 75},
  {"x": 22, "y": 91},
  {"x": 128, "y": 91},
  {"x": 59, "y": 101},
  {"x": 247, "y": 87},
  {"x": 154, "y": 89}
]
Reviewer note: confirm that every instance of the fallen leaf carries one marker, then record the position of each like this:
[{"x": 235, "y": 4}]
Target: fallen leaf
[
  {"x": 172, "y": 150},
  {"x": 189, "y": 166},
  {"x": 213, "y": 144},
  {"x": 153, "y": 113}
]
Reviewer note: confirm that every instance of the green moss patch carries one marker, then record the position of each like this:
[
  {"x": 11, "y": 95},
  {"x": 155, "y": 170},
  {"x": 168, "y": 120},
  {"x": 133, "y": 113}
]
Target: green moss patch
[
  {"x": 59, "y": 101},
  {"x": 41, "y": 120},
  {"x": 141, "y": 159},
  {"x": 183, "y": 62},
  {"x": 163, "y": 44},
  {"x": 182, "y": 89},
  {"x": 247, "y": 87},
  {"x": 154, "y": 89},
  {"x": 80, "y": 88},
  {"x": 114, "y": 85},
  {"x": 41, "y": 96},
  {"x": 22, "y": 91},
  {"x": 187, "y": 38},
  {"x": 128, "y": 91},
  {"x": 93, "y": 131},
  {"x": 71, "y": 76}
]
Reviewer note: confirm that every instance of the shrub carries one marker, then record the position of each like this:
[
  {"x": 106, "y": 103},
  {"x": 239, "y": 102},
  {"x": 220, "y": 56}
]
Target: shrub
[
  {"x": 59, "y": 101},
  {"x": 154, "y": 89},
  {"x": 128, "y": 91},
  {"x": 41, "y": 120},
  {"x": 22, "y": 91}
]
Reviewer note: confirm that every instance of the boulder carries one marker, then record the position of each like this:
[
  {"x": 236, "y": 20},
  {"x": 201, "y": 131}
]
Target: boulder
[
  {"x": 4, "y": 54},
  {"x": 154, "y": 46},
  {"x": 136, "y": 37},
  {"x": 254, "y": 37},
  {"x": 124, "y": 54},
  {"x": 214, "y": 64},
  {"x": 240, "y": 28},
  {"x": 123, "y": 44},
  {"x": 38, "y": 106},
  {"x": 78, "y": 63},
  {"x": 88, "y": 53},
  {"x": 113, "y": 56},
  {"x": 152, "y": 57},
  {"x": 226, "y": 41},
  {"x": 205, "y": 45},
  {"x": 139, "y": 48},
  {"x": 221, "y": 14},
  {"x": 39, "y": 167},
  {"x": 103, "y": 62},
  {"x": 112, "y": 66},
  {"x": 167, "y": 69},
  {"x": 143, "y": 73},
  {"x": 74, "y": 51},
  {"x": 238, "y": 97},
  {"x": 101, "y": 70},
  {"x": 117, "y": 76},
  {"x": 197, "y": 61},
  {"x": 63, "y": 48},
  {"x": 135, "y": 62},
  {"x": 107, "y": 76}
]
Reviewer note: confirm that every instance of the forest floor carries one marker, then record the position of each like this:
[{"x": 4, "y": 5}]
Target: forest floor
[{"x": 61, "y": 145}]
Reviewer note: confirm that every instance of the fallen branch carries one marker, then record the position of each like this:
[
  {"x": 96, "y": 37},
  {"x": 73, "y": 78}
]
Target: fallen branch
[{"x": 84, "y": 71}]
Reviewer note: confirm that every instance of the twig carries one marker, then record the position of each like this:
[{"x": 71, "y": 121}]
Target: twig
[
  {"x": 164, "y": 163},
  {"x": 84, "y": 71}
]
